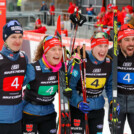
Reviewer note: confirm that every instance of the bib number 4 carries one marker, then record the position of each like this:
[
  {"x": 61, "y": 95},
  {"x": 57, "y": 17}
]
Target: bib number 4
[
  {"x": 13, "y": 83},
  {"x": 127, "y": 78}
]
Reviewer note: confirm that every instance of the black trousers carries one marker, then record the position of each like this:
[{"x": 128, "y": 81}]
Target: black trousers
[
  {"x": 15, "y": 128},
  {"x": 95, "y": 121},
  {"x": 41, "y": 124}
]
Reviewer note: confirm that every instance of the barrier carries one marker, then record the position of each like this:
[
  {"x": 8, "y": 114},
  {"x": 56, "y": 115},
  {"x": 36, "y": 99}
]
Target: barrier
[{"x": 31, "y": 41}]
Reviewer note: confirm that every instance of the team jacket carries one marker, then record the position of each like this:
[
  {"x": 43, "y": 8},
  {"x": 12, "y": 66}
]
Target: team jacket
[
  {"x": 98, "y": 76},
  {"x": 126, "y": 83},
  {"x": 38, "y": 104},
  {"x": 12, "y": 70}
]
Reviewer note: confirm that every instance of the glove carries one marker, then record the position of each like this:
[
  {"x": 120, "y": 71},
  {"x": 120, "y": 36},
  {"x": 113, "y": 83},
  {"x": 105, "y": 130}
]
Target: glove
[
  {"x": 81, "y": 20},
  {"x": 73, "y": 18},
  {"x": 115, "y": 111},
  {"x": 84, "y": 107},
  {"x": 67, "y": 92}
]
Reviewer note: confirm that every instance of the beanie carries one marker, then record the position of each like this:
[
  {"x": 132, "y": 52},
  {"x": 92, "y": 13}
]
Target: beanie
[
  {"x": 125, "y": 30},
  {"x": 49, "y": 42},
  {"x": 12, "y": 27},
  {"x": 38, "y": 22}
]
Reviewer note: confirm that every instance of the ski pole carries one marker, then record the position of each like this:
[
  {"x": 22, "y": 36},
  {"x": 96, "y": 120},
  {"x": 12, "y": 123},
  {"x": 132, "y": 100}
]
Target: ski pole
[{"x": 83, "y": 82}]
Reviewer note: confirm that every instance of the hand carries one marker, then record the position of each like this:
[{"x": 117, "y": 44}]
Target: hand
[
  {"x": 84, "y": 107},
  {"x": 116, "y": 111},
  {"x": 67, "y": 92}
]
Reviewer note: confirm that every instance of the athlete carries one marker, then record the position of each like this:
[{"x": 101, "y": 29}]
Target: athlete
[
  {"x": 39, "y": 114},
  {"x": 126, "y": 77},
  {"x": 98, "y": 76},
  {"x": 13, "y": 64}
]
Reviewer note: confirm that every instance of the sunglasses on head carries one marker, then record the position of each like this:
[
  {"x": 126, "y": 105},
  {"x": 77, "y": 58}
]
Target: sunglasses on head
[
  {"x": 100, "y": 35},
  {"x": 50, "y": 37},
  {"x": 12, "y": 23}
]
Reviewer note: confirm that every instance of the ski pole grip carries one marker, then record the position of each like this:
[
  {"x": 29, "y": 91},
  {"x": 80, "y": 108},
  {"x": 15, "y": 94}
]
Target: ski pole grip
[
  {"x": 65, "y": 54},
  {"x": 84, "y": 51}
]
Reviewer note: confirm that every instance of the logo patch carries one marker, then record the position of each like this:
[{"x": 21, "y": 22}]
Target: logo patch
[
  {"x": 53, "y": 131},
  {"x": 38, "y": 68},
  {"x": 77, "y": 122},
  {"x": 52, "y": 78},
  {"x": 100, "y": 126},
  {"x": 16, "y": 66},
  {"x": 75, "y": 73},
  {"x": 29, "y": 127}
]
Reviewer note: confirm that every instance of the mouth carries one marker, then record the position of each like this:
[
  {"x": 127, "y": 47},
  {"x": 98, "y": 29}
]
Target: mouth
[
  {"x": 56, "y": 58},
  {"x": 131, "y": 48},
  {"x": 102, "y": 55}
]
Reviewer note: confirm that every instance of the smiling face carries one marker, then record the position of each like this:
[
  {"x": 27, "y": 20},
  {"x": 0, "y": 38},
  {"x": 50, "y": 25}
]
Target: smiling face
[
  {"x": 127, "y": 46},
  {"x": 54, "y": 55},
  {"x": 14, "y": 41},
  {"x": 100, "y": 51}
]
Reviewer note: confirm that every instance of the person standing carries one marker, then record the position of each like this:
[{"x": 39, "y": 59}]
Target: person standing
[
  {"x": 52, "y": 14},
  {"x": 19, "y": 4},
  {"x": 13, "y": 64},
  {"x": 39, "y": 114},
  {"x": 45, "y": 9},
  {"x": 125, "y": 85},
  {"x": 98, "y": 76}
]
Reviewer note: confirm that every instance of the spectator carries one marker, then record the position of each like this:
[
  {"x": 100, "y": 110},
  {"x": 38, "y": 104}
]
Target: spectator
[
  {"x": 38, "y": 27},
  {"x": 19, "y": 4},
  {"x": 90, "y": 12},
  {"x": 64, "y": 32},
  {"x": 71, "y": 8},
  {"x": 45, "y": 9},
  {"x": 52, "y": 14},
  {"x": 108, "y": 18},
  {"x": 121, "y": 15},
  {"x": 71, "y": 11}
]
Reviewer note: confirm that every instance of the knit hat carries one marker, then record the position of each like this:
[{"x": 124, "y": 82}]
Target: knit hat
[
  {"x": 49, "y": 42},
  {"x": 99, "y": 38},
  {"x": 38, "y": 22},
  {"x": 125, "y": 30},
  {"x": 130, "y": 8},
  {"x": 109, "y": 6},
  {"x": 12, "y": 27}
]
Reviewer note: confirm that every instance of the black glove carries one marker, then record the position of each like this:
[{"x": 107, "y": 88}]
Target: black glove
[
  {"x": 74, "y": 18},
  {"x": 81, "y": 20},
  {"x": 67, "y": 92}
]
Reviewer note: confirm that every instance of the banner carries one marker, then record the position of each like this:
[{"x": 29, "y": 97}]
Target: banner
[{"x": 2, "y": 20}]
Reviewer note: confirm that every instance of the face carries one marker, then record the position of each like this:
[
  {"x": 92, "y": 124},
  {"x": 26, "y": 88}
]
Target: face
[
  {"x": 100, "y": 51},
  {"x": 14, "y": 41},
  {"x": 38, "y": 25},
  {"x": 54, "y": 55},
  {"x": 127, "y": 45}
]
